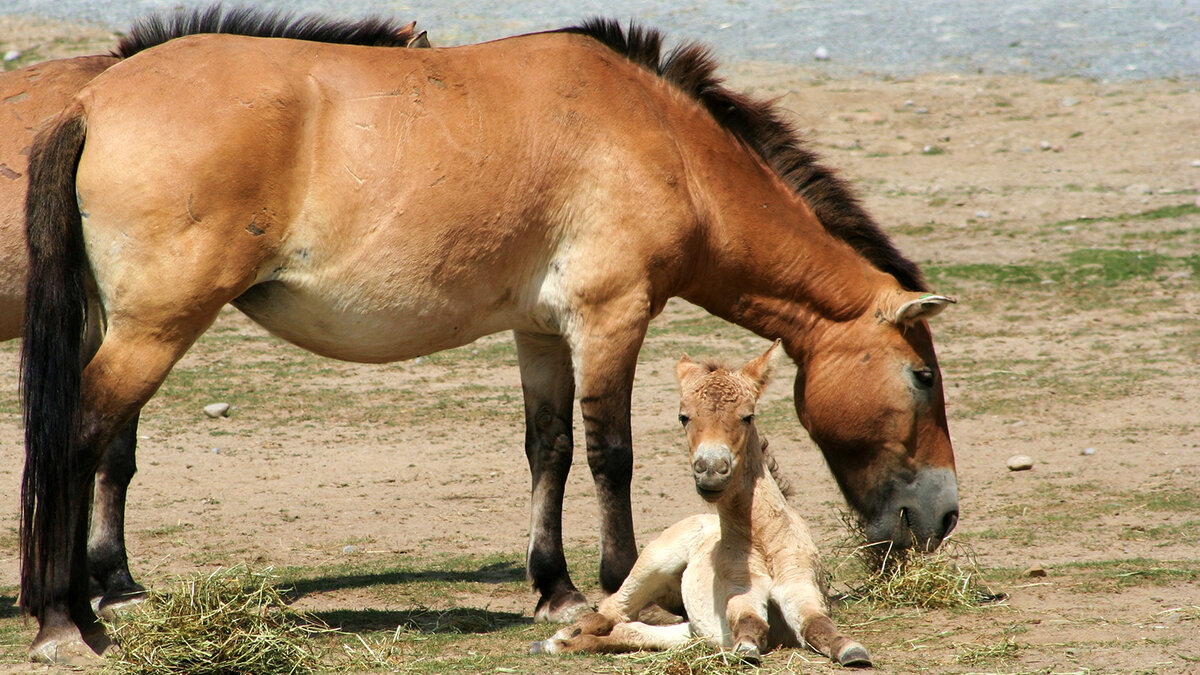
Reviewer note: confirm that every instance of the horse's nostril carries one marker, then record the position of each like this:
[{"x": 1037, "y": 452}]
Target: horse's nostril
[
  {"x": 949, "y": 522},
  {"x": 722, "y": 466},
  {"x": 700, "y": 465}
]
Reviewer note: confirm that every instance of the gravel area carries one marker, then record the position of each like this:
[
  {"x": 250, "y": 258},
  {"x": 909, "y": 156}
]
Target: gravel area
[{"x": 1047, "y": 38}]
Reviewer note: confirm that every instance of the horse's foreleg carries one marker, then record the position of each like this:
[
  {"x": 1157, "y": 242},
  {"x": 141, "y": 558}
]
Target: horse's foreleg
[
  {"x": 108, "y": 561},
  {"x": 624, "y": 637},
  {"x": 606, "y": 357},
  {"x": 547, "y": 382}
]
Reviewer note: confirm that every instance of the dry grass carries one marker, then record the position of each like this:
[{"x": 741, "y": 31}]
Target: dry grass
[
  {"x": 699, "y": 657},
  {"x": 948, "y": 578},
  {"x": 231, "y": 622}
]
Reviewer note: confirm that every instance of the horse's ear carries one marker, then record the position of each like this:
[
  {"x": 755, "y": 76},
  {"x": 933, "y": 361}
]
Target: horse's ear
[
  {"x": 919, "y": 307},
  {"x": 686, "y": 368},
  {"x": 759, "y": 368},
  {"x": 421, "y": 41}
]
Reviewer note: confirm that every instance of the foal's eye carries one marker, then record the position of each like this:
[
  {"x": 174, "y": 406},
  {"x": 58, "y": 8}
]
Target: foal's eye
[
  {"x": 924, "y": 377},
  {"x": 748, "y": 419},
  {"x": 684, "y": 419}
]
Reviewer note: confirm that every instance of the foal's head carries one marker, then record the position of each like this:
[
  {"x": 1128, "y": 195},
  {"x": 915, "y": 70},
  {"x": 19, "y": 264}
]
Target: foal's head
[{"x": 716, "y": 408}]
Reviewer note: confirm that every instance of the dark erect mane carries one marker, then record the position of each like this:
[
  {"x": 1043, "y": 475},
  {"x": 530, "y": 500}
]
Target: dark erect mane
[
  {"x": 157, "y": 28},
  {"x": 760, "y": 126}
]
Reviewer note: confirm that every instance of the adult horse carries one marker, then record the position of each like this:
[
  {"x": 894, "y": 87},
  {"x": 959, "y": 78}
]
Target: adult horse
[
  {"x": 376, "y": 205},
  {"x": 33, "y": 95}
]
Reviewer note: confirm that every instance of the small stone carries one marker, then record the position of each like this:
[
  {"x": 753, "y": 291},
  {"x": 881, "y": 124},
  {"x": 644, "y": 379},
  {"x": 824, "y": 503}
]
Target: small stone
[
  {"x": 12, "y": 55},
  {"x": 1035, "y": 571},
  {"x": 1045, "y": 145},
  {"x": 1020, "y": 463},
  {"x": 983, "y": 214},
  {"x": 215, "y": 451},
  {"x": 922, "y": 111},
  {"x": 350, "y": 550},
  {"x": 1088, "y": 452},
  {"x": 215, "y": 410},
  {"x": 909, "y": 103},
  {"x": 1139, "y": 189},
  {"x": 1070, "y": 102},
  {"x": 1196, "y": 163},
  {"x": 821, "y": 54}
]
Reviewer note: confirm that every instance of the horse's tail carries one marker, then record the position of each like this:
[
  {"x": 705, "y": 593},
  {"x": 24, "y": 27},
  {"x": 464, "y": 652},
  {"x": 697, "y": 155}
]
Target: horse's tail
[{"x": 51, "y": 361}]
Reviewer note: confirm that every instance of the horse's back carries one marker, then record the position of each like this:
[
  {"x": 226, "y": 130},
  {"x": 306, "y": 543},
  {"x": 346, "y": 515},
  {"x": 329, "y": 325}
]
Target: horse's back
[
  {"x": 28, "y": 98},
  {"x": 435, "y": 194}
]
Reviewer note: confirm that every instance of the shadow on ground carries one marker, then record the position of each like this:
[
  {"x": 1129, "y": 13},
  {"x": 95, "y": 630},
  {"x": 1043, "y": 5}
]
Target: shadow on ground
[{"x": 457, "y": 620}]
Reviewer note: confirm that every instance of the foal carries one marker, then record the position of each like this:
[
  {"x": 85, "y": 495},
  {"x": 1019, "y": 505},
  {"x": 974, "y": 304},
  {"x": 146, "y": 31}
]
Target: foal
[{"x": 748, "y": 575}]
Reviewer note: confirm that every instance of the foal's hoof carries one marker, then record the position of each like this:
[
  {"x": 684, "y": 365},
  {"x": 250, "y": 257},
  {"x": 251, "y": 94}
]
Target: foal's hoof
[
  {"x": 748, "y": 653},
  {"x": 561, "y": 608},
  {"x": 854, "y": 655},
  {"x": 543, "y": 647}
]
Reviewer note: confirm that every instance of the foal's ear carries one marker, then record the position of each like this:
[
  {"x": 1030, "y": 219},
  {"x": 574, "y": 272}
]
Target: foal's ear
[
  {"x": 916, "y": 307},
  {"x": 421, "y": 41},
  {"x": 686, "y": 368},
  {"x": 759, "y": 369}
]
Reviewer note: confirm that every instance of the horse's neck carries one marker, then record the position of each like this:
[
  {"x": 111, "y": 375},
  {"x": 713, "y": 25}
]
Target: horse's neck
[{"x": 769, "y": 264}]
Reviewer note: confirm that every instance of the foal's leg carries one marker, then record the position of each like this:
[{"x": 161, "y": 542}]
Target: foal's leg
[
  {"x": 803, "y": 607},
  {"x": 605, "y": 352},
  {"x": 747, "y": 617},
  {"x": 108, "y": 561},
  {"x": 624, "y": 637},
  {"x": 547, "y": 382}
]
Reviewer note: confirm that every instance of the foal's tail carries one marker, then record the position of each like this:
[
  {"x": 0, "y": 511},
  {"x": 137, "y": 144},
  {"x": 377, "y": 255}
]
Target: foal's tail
[{"x": 51, "y": 362}]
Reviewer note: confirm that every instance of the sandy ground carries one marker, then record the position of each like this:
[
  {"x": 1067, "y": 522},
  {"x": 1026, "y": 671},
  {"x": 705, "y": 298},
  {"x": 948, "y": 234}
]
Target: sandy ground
[{"x": 964, "y": 170}]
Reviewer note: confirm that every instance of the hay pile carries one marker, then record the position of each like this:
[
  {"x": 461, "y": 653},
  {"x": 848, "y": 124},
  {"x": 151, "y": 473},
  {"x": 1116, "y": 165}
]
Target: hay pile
[
  {"x": 948, "y": 578},
  {"x": 231, "y": 622}
]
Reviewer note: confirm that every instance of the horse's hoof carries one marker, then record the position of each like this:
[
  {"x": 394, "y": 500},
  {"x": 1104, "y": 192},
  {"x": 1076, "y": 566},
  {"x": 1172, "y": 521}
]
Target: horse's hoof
[
  {"x": 562, "y": 608},
  {"x": 854, "y": 655},
  {"x": 111, "y": 607},
  {"x": 69, "y": 651},
  {"x": 748, "y": 653}
]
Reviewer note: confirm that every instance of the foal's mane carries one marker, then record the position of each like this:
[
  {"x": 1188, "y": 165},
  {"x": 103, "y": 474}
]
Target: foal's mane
[
  {"x": 761, "y": 127},
  {"x": 156, "y": 28}
]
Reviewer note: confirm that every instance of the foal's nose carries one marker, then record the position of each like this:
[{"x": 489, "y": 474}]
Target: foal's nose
[{"x": 712, "y": 466}]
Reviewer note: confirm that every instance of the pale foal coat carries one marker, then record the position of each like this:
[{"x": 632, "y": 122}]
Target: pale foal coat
[{"x": 748, "y": 576}]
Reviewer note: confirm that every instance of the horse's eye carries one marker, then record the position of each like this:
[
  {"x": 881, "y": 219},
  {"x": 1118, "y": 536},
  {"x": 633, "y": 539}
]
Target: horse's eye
[
  {"x": 924, "y": 377},
  {"x": 684, "y": 419},
  {"x": 748, "y": 419}
]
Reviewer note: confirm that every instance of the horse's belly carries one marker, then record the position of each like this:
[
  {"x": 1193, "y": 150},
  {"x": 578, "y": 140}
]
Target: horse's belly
[{"x": 339, "y": 327}]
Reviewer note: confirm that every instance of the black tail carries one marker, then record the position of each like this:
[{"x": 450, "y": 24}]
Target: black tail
[{"x": 51, "y": 367}]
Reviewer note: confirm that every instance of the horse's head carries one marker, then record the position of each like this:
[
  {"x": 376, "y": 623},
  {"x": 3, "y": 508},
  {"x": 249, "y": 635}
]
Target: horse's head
[
  {"x": 716, "y": 408},
  {"x": 870, "y": 394}
]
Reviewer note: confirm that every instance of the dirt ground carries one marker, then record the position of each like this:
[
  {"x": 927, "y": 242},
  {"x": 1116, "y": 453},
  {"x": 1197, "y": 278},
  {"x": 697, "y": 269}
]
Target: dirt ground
[{"x": 1065, "y": 217}]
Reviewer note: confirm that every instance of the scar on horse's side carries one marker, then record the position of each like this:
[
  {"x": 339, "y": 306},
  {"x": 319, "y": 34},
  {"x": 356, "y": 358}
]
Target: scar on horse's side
[{"x": 749, "y": 575}]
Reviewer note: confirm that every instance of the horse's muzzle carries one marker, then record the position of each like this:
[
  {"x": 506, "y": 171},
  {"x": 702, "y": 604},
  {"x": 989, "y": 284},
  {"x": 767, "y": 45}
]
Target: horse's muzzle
[
  {"x": 918, "y": 515},
  {"x": 712, "y": 467}
]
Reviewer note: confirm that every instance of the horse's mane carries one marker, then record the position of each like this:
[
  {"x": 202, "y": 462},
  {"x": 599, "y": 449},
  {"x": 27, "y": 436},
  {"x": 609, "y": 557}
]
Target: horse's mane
[
  {"x": 156, "y": 28},
  {"x": 762, "y": 128},
  {"x": 784, "y": 483}
]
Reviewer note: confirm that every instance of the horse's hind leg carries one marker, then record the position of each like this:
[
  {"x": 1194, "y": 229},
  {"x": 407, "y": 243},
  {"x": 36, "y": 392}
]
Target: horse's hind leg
[
  {"x": 547, "y": 382},
  {"x": 803, "y": 608},
  {"x": 124, "y": 374},
  {"x": 108, "y": 561}
]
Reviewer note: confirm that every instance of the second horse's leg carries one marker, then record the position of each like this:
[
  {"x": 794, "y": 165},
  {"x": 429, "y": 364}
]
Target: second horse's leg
[
  {"x": 108, "y": 561},
  {"x": 547, "y": 382}
]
